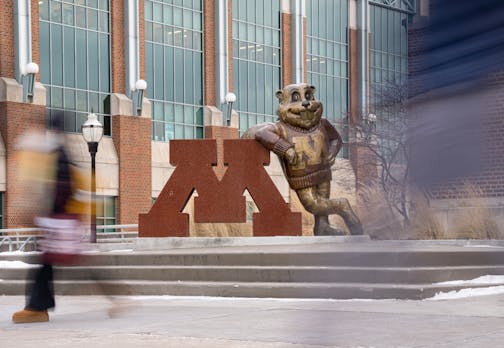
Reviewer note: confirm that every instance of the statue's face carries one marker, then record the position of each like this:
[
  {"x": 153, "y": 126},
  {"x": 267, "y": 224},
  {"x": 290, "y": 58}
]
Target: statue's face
[{"x": 298, "y": 106}]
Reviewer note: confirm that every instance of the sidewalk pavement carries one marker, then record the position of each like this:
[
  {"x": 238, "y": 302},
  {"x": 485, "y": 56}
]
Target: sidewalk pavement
[{"x": 198, "y": 322}]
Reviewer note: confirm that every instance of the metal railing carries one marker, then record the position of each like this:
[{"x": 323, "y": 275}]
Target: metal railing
[{"x": 17, "y": 239}]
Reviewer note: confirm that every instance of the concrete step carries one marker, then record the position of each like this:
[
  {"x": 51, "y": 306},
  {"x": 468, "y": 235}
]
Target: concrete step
[
  {"x": 242, "y": 289},
  {"x": 358, "y": 258},
  {"x": 346, "y": 270},
  {"x": 292, "y": 274}
]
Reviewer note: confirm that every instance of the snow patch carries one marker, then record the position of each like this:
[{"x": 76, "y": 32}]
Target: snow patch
[
  {"x": 464, "y": 293},
  {"x": 15, "y": 264},
  {"x": 246, "y": 299},
  {"x": 17, "y": 252},
  {"x": 487, "y": 279}
]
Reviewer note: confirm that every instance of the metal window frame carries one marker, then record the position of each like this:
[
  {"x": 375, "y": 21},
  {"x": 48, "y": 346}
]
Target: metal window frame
[
  {"x": 87, "y": 30},
  {"x": 312, "y": 36},
  {"x": 163, "y": 44},
  {"x": 407, "y": 6},
  {"x": 237, "y": 58}
]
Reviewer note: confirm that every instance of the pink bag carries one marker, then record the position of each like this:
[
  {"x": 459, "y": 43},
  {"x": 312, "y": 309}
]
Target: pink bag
[{"x": 61, "y": 243}]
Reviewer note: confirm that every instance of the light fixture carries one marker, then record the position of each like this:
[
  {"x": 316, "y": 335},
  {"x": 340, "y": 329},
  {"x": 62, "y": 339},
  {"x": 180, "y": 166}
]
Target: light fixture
[
  {"x": 137, "y": 96},
  {"x": 370, "y": 127},
  {"x": 92, "y": 131},
  {"x": 230, "y": 98},
  {"x": 28, "y": 81}
]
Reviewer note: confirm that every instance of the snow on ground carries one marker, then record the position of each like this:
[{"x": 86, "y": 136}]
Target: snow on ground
[
  {"x": 497, "y": 280},
  {"x": 487, "y": 279},
  {"x": 15, "y": 264},
  {"x": 251, "y": 299},
  {"x": 17, "y": 252},
  {"x": 469, "y": 292}
]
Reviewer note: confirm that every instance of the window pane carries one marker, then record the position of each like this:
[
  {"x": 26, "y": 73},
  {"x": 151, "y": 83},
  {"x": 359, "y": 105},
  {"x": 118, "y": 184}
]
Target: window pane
[
  {"x": 81, "y": 61},
  {"x": 69, "y": 99},
  {"x": 198, "y": 81},
  {"x": 80, "y": 16},
  {"x": 179, "y": 113},
  {"x": 69, "y": 56},
  {"x": 176, "y": 64},
  {"x": 158, "y": 77},
  {"x": 68, "y": 15},
  {"x": 179, "y": 75},
  {"x": 188, "y": 78},
  {"x": 57, "y": 55},
  {"x": 45, "y": 64},
  {"x": 104, "y": 66},
  {"x": 93, "y": 61},
  {"x": 168, "y": 73},
  {"x": 57, "y": 97},
  {"x": 55, "y": 11},
  {"x": 81, "y": 98},
  {"x": 44, "y": 10}
]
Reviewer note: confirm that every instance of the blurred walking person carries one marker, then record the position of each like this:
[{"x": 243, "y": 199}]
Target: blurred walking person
[{"x": 62, "y": 227}]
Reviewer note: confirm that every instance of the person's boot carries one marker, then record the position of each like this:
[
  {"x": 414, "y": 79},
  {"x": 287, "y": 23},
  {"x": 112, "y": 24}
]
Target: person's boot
[
  {"x": 323, "y": 228},
  {"x": 30, "y": 316}
]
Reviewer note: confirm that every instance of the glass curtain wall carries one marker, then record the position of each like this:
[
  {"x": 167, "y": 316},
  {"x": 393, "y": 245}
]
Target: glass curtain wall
[
  {"x": 389, "y": 61},
  {"x": 2, "y": 194},
  {"x": 106, "y": 212},
  {"x": 75, "y": 59},
  {"x": 327, "y": 60},
  {"x": 256, "y": 60},
  {"x": 174, "y": 58}
]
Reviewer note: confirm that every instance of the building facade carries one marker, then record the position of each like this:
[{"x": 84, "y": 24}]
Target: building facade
[{"x": 191, "y": 53}]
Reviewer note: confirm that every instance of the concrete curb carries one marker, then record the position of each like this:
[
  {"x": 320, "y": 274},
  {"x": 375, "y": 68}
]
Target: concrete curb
[{"x": 145, "y": 244}]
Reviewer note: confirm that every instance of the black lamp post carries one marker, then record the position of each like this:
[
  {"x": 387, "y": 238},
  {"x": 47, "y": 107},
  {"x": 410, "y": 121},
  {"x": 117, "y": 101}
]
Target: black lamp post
[{"x": 92, "y": 131}]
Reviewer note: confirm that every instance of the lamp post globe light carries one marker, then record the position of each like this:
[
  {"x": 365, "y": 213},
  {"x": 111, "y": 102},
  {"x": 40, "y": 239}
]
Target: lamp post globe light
[
  {"x": 92, "y": 131},
  {"x": 137, "y": 96},
  {"x": 230, "y": 98},
  {"x": 28, "y": 80},
  {"x": 32, "y": 68}
]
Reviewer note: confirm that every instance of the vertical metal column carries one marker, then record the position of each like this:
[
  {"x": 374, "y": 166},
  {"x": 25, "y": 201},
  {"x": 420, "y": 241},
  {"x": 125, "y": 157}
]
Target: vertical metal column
[
  {"x": 93, "y": 149},
  {"x": 298, "y": 12},
  {"x": 222, "y": 53},
  {"x": 22, "y": 36},
  {"x": 363, "y": 53},
  {"x": 132, "y": 45}
]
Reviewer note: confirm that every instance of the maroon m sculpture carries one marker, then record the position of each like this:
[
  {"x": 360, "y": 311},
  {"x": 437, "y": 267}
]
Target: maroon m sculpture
[{"x": 218, "y": 200}]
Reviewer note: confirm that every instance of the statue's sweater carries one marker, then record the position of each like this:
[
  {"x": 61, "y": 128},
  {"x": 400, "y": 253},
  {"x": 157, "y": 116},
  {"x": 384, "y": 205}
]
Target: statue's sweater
[{"x": 314, "y": 148}]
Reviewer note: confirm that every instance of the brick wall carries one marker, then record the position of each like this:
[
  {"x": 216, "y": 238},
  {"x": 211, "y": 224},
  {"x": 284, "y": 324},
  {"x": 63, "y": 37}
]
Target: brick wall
[
  {"x": 7, "y": 67},
  {"x": 286, "y": 49},
  {"x": 416, "y": 38},
  {"x": 488, "y": 181},
  {"x": 210, "y": 73},
  {"x": 35, "y": 34},
  {"x": 15, "y": 120},
  {"x": 141, "y": 34},
  {"x": 220, "y": 133},
  {"x": 132, "y": 141},
  {"x": 118, "y": 46}
]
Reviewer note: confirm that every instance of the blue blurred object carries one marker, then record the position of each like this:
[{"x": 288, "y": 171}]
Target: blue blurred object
[
  {"x": 463, "y": 45},
  {"x": 464, "y": 42}
]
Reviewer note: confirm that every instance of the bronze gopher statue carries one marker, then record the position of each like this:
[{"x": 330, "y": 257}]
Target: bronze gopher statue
[{"x": 307, "y": 146}]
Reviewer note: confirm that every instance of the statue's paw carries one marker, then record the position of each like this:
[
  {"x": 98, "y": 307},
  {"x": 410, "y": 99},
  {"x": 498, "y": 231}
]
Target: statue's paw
[
  {"x": 329, "y": 231},
  {"x": 356, "y": 229}
]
